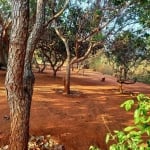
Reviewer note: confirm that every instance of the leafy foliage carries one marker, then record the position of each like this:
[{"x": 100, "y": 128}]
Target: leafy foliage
[
  {"x": 93, "y": 148},
  {"x": 142, "y": 7},
  {"x": 128, "y": 104},
  {"x": 127, "y": 51},
  {"x": 5, "y": 8},
  {"x": 118, "y": 2},
  {"x": 52, "y": 50},
  {"x": 98, "y": 37},
  {"x": 137, "y": 136}
]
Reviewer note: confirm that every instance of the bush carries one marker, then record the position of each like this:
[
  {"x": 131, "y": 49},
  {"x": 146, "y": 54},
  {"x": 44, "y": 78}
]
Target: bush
[
  {"x": 101, "y": 64},
  {"x": 137, "y": 136},
  {"x": 93, "y": 148}
]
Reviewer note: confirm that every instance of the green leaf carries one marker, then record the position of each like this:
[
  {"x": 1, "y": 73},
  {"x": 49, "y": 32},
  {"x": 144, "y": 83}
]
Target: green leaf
[
  {"x": 148, "y": 130},
  {"x": 98, "y": 12},
  {"x": 148, "y": 143},
  {"x": 140, "y": 97},
  {"x": 129, "y": 128},
  {"x": 116, "y": 131},
  {"x": 98, "y": 37},
  {"x": 93, "y": 148},
  {"x": 127, "y": 104},
  {"x": 107, "y": 138},
  {"x": 137, "y": 116},
  {"x": 133, "y": 137}
]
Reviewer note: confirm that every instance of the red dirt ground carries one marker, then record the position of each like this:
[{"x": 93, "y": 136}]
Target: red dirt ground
[{"x": 79, "y": 120}]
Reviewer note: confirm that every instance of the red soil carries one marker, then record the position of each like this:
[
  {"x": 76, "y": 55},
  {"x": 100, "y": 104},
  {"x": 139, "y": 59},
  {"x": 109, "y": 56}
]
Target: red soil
[{"x": 79, "y": 120}]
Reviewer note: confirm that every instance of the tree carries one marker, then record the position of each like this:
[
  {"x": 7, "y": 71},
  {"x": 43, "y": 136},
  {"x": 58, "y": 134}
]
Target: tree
[
  {"x": 19, "y": 78},
  {"x": 14, "y": 77},
  {"x": 141, "y": 8},
  {"x": 4, "y": 41},
  {"x": 127, "y": 51},
  {"x": 88, "y": 27},
  {"x": 52, "y": 50},
  {"x": 5, "y": 25},
  {"x": 75, "y": 23},
  {"x": 67, "y": 77}
]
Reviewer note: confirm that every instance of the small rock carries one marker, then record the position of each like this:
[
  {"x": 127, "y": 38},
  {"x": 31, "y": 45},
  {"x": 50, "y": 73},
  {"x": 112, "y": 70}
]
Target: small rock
[
  {"x": 60, "y": 147},
  {"x": 5, "y": 147},
  {"x": 6, "y": 117}
]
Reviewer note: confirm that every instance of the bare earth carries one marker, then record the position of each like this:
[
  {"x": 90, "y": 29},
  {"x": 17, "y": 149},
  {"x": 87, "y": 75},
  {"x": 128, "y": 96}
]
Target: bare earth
[{"x": 79, "y": 120}]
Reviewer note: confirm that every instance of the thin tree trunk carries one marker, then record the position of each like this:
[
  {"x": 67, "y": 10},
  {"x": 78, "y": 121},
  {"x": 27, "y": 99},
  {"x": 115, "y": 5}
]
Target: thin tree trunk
[
  {"x": 4, "y": 44},
  {"x": 28, "y": 76},
  {"x": 67, "y": 76},
  {"x": 2, "y": 60},
  {"x": 14, "y": 77},
  {"x": 31, "y": 43}
]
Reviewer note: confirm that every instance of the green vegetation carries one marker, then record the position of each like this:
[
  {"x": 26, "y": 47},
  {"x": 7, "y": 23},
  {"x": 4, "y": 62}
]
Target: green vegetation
[
  {"x": 83, "y": 30},
  {"x": 94, "y": 148},
  {"x": 142, "y": 72},
  {"x": 136, "y": 136},
  {"x": 104, "y": 65},
  {"x": 101, "y": 64}
]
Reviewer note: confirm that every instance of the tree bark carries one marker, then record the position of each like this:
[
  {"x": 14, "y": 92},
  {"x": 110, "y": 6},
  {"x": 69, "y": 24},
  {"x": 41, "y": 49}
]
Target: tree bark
[
  {"x": 19, "y": 78},
  {"x": 31, "y": 44},
  {"x": 37, "y": 31},
  {"x": 68, "y": 69},
  {"x": 68, "y": 74},
  {"x": 4, "y": 41},
  {"x": 14, "y": 77}
]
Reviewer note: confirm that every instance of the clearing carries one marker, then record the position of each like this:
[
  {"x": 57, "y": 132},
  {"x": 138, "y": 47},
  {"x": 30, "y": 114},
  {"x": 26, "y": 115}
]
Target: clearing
[{"x": 79, "y": 120}]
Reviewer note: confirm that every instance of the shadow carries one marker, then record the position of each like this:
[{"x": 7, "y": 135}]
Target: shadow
[{"x": 80, "y": 119}]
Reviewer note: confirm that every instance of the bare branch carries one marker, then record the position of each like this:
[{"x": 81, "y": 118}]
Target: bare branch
[
  {"x": 60, "y": 35},
  {"x": 99, "y": 28},
  {"x": 57, "y": 14},
  {"x": 75, "y": 59}
]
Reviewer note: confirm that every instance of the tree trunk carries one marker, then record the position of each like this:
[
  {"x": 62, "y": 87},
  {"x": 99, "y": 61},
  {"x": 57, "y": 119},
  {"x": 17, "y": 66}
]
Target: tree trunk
[
  {"x": 19, "y": 84},
  {"x": 14, "y": 78},
  {"x": 4, "y": 43},
  {"x": 2, "y": 58},
  {"x": 68, "y": 62},
  {"x": 54, "y": 73},
  {"x": 67, "y": 77},
  {"x": 19, "y": 78},
  {"x": 31, "y": 44},
  {"x": 28, "y": 76}
]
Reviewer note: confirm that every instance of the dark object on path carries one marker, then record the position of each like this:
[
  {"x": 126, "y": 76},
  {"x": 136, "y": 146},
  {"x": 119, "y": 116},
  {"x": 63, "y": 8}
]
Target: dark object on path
[
  {"x": 103, "y": 79},
  {"x": 2, "y": 67},
  {"x": 6, "y": 117}
]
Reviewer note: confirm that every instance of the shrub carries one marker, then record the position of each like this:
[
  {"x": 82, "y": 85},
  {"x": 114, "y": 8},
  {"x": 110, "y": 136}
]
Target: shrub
[
  {"x": 101, "y": 64},
  {"x": 135, "y": 137},
  {"x": 93, "y": 148}
]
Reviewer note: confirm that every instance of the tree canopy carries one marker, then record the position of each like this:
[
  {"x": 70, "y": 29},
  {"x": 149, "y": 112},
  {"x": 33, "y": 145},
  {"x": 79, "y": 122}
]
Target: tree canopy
[{"x": 81, "y": 26}]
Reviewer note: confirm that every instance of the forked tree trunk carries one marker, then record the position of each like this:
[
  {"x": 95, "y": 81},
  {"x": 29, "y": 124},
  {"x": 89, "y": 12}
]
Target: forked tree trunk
[
  {"x": 14, "y": 77},
  {"x": 19, "y": 78},
  {"x": 31, "y": 44},
  {"x": 67, "y": 75}
]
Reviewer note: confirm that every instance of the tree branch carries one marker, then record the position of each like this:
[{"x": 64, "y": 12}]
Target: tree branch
[
  {"x": 97, "y": 29},
  {"x": 57, "y": 14}
]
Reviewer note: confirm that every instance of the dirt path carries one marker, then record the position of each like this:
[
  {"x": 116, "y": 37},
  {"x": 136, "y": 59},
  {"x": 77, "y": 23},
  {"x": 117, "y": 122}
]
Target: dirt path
[{"x": 78, "y": 120}]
